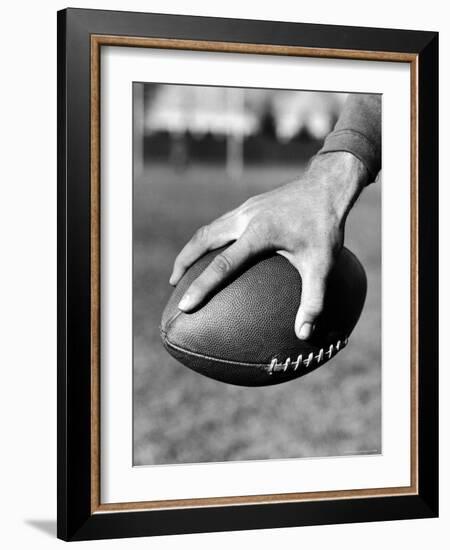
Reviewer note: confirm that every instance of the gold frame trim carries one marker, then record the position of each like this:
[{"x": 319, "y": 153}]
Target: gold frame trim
[{"x": 97, "y": 41}]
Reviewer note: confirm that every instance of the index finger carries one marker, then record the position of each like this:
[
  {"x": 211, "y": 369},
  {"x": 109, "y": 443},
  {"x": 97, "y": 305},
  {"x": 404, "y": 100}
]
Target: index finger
[
  {"x": 220, "y": 269},
  {"x": 217, "y": 234}
]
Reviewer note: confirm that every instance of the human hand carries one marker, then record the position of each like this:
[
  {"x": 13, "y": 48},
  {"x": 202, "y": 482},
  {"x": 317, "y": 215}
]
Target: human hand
[{"x": 303, "y": 221}]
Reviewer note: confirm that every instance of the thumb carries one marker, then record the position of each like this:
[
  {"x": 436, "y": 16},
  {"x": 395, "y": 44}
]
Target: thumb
[{"x": 311, "y": 302}]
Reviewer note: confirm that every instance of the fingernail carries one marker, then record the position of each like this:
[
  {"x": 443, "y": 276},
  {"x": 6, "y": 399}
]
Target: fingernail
[
  {"x": 185, "y": 302},
  {"x": 305, "y": 331},
  {"x": 172, "y": 280}
]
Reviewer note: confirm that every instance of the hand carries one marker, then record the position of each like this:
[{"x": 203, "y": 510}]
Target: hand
[{"x": 303, "y": 221}]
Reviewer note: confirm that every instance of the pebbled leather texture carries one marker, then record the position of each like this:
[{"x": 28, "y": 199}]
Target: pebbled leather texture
[{"x": 248, "y": 324}]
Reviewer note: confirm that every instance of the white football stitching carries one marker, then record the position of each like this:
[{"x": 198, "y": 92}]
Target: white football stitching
[{"x": 278, "y": 366}]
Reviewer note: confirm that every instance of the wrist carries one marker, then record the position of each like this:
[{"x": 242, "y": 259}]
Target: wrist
[{"x": 342, "y": 177}]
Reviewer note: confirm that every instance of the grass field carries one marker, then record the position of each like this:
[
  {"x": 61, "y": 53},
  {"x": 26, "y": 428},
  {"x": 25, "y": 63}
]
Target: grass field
[{"x": 180, "y": 416}]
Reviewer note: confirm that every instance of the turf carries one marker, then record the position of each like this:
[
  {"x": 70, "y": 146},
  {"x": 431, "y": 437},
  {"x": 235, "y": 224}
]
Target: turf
[{"x": 181, "y": 416}]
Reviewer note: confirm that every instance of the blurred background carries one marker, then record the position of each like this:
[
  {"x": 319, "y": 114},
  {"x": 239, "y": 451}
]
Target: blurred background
[{"x": 199, "y": 152}]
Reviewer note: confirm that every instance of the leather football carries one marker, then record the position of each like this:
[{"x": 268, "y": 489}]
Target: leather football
[{"x": 244, "y": 333}]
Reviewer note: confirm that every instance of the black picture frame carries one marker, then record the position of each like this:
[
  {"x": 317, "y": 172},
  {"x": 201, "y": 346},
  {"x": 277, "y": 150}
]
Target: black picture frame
[{"x": 76, "y": 518}]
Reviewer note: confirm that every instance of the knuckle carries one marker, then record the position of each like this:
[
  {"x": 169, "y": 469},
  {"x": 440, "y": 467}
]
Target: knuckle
[
  {"x": 259, "y": 228},
  {"x": 255, "y": 225},
  {"x": 222, "y": 264},
  {"x": 202, "y": 234},
  {"x": 250, "y": 202},
  {"x": 242, "y": 216}
]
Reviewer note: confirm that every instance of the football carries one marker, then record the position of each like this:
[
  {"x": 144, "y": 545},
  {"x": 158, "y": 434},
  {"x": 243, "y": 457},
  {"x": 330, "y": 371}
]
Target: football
[{"x": 244, "y": 333}]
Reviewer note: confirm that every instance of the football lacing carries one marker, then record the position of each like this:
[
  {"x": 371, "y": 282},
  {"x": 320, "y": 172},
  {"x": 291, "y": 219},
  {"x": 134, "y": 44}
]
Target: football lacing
[{"x": 278, "y": 366}]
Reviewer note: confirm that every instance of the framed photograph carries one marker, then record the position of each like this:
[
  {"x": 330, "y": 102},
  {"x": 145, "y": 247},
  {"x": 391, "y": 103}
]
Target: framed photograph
[{"x": 247, "y": 255}]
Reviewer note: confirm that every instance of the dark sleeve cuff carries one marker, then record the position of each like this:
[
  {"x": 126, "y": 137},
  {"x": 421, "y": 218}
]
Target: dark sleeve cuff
[{"x": 356, "y": 143}]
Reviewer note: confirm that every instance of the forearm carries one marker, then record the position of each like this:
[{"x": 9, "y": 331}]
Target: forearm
[{"x": 358, "y": 131}]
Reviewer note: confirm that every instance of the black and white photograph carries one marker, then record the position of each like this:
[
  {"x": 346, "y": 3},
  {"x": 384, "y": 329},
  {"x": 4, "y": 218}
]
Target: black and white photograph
[
  {"x": 224, "y": 275},
  {"x": 256, "y": 274},
  {"x": 247, "y": 274}
]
